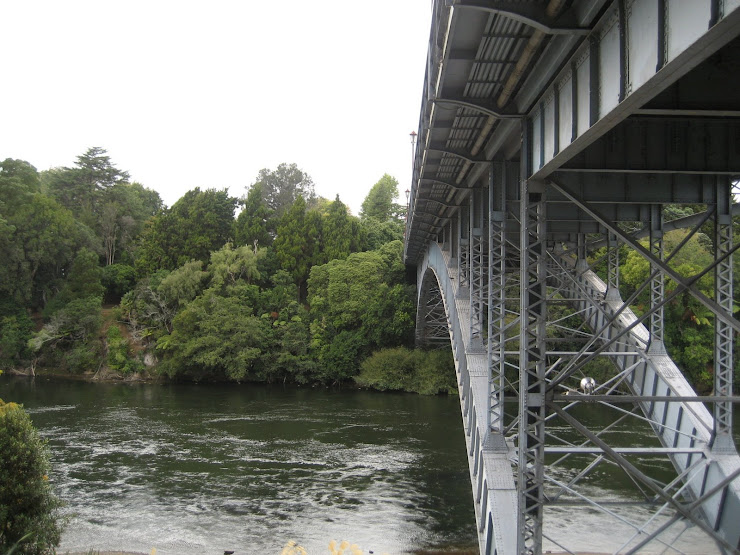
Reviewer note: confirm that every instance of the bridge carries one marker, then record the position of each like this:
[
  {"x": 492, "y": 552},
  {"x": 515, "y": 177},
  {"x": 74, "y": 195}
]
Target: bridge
[{"x": 553, "y": 136}]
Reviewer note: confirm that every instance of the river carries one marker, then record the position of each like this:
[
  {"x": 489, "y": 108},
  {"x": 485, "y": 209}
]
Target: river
[{"x": 198, "y": 469}]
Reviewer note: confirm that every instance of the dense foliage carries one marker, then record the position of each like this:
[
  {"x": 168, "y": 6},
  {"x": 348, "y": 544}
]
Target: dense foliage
[
  {"x": 294, "y": 288},
  {"x": 29, "y": 512},
  {"x": 401, "y": 369}
]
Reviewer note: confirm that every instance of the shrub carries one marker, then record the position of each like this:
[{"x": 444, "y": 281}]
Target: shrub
[
  {"x": 401, "y": 369},
  {"x": 29, "y": 511},
  {"x": 119, "y": 353}
]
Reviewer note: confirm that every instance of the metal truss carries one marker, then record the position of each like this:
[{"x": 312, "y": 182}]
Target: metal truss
[
  {"x": 657, "y": 285},
  {"x": 497, "y": 297},
  {"x": 604, "y": 118},
  {"x": 533, "y": 303},
  {"x": 478, "y": 269},
  {"x": 432, "y": 328},
  {"x": 723, "y": 364},
  {"x": 463, "y": 274},
  {"x": 655, "y": 394}
]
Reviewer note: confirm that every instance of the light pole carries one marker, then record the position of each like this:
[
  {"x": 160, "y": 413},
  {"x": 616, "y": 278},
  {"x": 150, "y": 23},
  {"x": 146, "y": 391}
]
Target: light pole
[{"x": 413, "y": 149}]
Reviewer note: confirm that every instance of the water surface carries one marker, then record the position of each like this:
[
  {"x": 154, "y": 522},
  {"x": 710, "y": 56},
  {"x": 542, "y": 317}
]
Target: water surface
[
  {"x": 199, "y": 469},
  {"x": 203, "y": 469}
]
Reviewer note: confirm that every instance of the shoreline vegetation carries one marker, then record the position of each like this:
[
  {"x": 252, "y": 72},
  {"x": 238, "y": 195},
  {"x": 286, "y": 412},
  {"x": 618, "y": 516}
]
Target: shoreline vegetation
[{"x": 103, "y": 282}]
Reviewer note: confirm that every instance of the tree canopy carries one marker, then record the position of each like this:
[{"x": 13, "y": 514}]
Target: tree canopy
[
  {"x": 295, "y": 288},
  {"x": 283, "y": 185},
  {"x": 378, "y": 203}
]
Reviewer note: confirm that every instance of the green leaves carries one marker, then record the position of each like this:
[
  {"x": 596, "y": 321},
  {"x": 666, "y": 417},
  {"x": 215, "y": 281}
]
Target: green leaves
[
  {"x": 358, "y": 306},
  {"x": 29, "y": 511},
  {"x": 255, "y": 224},
  {"x": 401, "y": 369},
  {"x": 378, "y": 203},
  {"x": 216, "y": 336},
  {"x": 281, "y": 187},
  {"x": 197, "y": 224}
]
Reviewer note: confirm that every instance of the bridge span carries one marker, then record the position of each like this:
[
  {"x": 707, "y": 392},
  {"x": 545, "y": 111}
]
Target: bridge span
[{"x": 553, "y": 136}]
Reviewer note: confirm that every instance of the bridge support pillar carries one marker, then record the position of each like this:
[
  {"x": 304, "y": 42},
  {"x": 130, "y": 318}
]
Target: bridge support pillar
[
  {"x": 722, "y": 440},
  {"x": 463, "y": 252},
  {"x": 612, "y": 284},
  {"x": 478, "y": 268},
  {"x": 533, "y": 312},
  {"x": 496, "y": 295},
  {"x": 656, "y": 347},
  {"x": 581, "y": 262}
]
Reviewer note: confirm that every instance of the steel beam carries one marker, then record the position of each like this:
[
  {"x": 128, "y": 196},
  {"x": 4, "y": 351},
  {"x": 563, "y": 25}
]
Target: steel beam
[
  {"x": 533, "y": 311},
  {"x": 497, "y": 295},
  {"x": 657, "y": 285},
  {"x": 657, "y": 48},
  {"x": 723, "y": 367}
]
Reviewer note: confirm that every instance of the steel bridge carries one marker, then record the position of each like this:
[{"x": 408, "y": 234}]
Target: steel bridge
[{"x": 555, "y": 136}]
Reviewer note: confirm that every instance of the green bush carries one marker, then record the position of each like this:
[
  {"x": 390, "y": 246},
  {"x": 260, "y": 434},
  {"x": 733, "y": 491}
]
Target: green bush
[
  {"x": 435, "y": 373},
  {"x": 119, "y": 353},
  {"x": 118, "y": 279},
  {"x": 29, "y": 511},
  {"x": 401, "y": 369},
  {"x": 80, "y": 358}
]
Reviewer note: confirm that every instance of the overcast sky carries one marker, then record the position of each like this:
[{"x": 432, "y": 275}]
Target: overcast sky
[{"x": 204, "y": 94}]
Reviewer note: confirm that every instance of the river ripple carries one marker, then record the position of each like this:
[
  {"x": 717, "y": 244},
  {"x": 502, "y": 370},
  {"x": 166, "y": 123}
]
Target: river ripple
[
  {"x": 194, "y": 469},
  {"x": 199, "y": 469}
]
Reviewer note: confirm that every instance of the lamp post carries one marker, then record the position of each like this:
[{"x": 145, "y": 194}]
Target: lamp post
[{"x": 413, "y": 149}]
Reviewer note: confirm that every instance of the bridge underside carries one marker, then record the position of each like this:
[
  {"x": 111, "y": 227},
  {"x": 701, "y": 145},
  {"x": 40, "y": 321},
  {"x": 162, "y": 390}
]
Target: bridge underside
[{"x": 555, "y": 137}]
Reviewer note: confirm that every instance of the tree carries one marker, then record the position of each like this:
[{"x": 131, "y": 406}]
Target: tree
[
  {"x": 118, "y": 279},
  {"x": 149, "y": 311},
  {"x": 37, "y": 244},
  {"x": 203, "y": 220},
  {"x": 375, "y": 234},
  {"x": 84, "y": 276},
  {"x": 125, "y": 207},
  {"x": 358, "y": 305},
  {"x": 213, "y": 336},
  {"x": 230, "y": 266},
  {"x": 16, "y": 328},
  {"x": 282, "y": 186},
  {"x": 340, "y": 232},
  {"x": 378, "y": 203},
  {"x": 96, "y": 172},
  {"x": 81, "y": 188},
  {"x": 291, "y": 243},
  {"x": 29, "y": 511},
  {"x": 78, "y": 321},
  {"x": 198, "y": 223},
  {"x": 18, "y": 181},
  {"x": 183, "y": 285},
  {"x": 255, "y": 224}
]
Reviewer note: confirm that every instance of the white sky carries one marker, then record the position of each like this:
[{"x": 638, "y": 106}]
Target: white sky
[{"x": 187, "y": 94}]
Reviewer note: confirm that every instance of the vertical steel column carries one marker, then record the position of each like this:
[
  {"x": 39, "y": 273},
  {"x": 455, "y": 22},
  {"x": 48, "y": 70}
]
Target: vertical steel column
[
  {"x": 657, "y": 347},
  {"x": 581, "y": 262},
  {"x": 496, "y": 294},
  {"x": 531, "y": 437},
  {"x": 463, "y": 243},
  {"x": 612, "y": 283},
  {"x": 478, "y": 268},
  {"x": 722, "y": 432}
]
